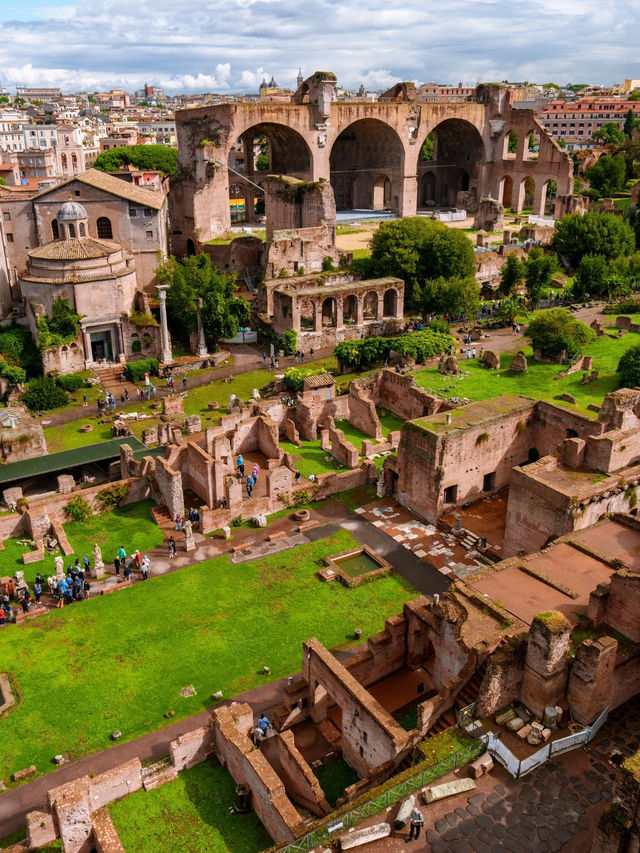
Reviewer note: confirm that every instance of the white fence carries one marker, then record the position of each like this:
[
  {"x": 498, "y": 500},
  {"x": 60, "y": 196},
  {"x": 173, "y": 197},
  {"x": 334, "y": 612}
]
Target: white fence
[{"x": 518, "y": 767}]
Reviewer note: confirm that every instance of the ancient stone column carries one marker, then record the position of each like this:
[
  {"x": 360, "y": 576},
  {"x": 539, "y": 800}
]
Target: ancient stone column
[
  {"x": 202, "y": 346},
  {"x": 166, "y": 356},
  {"x": 544, "y": 679}
]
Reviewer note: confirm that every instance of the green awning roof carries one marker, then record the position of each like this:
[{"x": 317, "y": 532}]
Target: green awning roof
[{"x": 68, "y": 459}]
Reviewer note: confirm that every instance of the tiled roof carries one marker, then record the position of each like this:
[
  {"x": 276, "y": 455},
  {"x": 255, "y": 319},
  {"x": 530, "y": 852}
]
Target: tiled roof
[
  {"x": 122, "y": 189},
  {"x": 320, "y": 380},
  {"x": 81, "y": 248}
]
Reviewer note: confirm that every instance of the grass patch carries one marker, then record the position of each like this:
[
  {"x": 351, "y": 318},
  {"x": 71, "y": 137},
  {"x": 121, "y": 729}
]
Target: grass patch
[
  {"x": 310, "y": 458},
  {"x": 214, "y": 625},
  {"x": 352, "y": 499},
  {"x": 389, "y": 422},
  {"x": 352, "y": 434},
  {"x": 334, "y": 777},
  {"x": 539, "y": 382},
  {"x": 408, "y": 719},
  {"x": 436, "y": 749},
  {"x": 191, "y": 813}
]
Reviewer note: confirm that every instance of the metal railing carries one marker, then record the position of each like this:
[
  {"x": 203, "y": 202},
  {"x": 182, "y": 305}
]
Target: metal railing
[
  {"x": 382, "y": 801},
  {"x": 520, "y": 767}
]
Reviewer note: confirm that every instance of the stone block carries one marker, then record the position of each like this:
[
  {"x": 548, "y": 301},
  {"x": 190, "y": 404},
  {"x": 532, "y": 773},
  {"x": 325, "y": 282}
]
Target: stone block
[
  {"x": 447, "y": 789},
  {"x": 519, "y": 363},
  {"x": 504, "y": 716},
  {"x": 12, "y": 496},
  {"x": 172, "y": 405},
  {"x": 524, "y": 732},
  {"x": 25, "y": 773},
  {"x": 515, "y": 724},
  {"x": 491, "y": 360},
  {"x": 546, "y": 734},
  {"x": 481, "y": 766},
  {"x": 193, "y": 424},
  {"x": 66, "y": 483},
  {"x": 40, "y": 829},
  {"x": 150, "y": 436},
  {"x": 359, "y": 837}
]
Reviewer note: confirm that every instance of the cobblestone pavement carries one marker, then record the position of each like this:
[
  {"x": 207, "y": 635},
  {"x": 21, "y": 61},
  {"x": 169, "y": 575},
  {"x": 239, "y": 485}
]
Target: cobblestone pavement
[{"x": 553, "y": 809}]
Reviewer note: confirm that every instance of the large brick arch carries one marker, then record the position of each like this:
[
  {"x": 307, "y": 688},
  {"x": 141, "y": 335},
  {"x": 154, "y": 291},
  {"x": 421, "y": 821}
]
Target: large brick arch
[
  {"x": 316, "y": 137},
  {"x": 364, "y": 156}
]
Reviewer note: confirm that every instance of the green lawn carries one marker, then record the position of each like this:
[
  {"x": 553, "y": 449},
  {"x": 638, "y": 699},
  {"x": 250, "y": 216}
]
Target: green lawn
[
  {"x": 119, "y": 661},
  {"x": 539, "y": 382},
  {"x": 389, "y": 422},
  {"x": 131, "y": 526},
  {"x": 191, "y": 815},
  {"x": 310, "y": 458},
  {"x": 353, "y": 434}
]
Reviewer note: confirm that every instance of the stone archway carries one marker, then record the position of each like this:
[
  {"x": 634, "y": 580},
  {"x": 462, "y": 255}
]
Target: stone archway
[
  {"x": 370, "y": 306},
  {"x": 458, "y": 157},
  {"x": 329, "y": 312},
  {"x": 350, "y": 309},
  {"x": 390, "y": 303},
  {"x": 365, "y": 155},
  {"x": 506, "y": 191}
]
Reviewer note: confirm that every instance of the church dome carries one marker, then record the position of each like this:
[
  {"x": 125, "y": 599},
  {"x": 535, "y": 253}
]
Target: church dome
[{"x": 71, "y": 211}]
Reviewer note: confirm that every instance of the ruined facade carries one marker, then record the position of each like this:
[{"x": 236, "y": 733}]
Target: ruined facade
[{"x": 370, "y": 154}]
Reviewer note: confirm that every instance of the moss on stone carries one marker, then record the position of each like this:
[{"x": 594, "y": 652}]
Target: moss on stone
[
  {"x": 554, "y": 622},
  {"x": 632, "y": 765}
]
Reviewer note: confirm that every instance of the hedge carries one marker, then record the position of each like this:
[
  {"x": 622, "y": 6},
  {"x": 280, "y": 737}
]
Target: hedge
[
  {"x": 136, "y": 369},
  {"x": 418, "y": 345}
]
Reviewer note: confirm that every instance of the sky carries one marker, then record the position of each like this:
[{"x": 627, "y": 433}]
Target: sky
[{"x": 230, "y": 45}]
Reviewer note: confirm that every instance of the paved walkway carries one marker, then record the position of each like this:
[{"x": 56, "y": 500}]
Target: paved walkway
[
  {"x": 246, "y": 359},
  {"x": 556, "y": 808}
]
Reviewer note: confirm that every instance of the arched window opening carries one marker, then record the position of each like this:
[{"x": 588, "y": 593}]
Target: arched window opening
[{"x": 105, "y": 232}]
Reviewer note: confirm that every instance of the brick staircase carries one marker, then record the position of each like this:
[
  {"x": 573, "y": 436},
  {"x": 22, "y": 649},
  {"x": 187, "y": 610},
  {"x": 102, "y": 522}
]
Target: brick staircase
[
  {"x": 163, "y": 519},
  {"x": 466, "y": 696}
]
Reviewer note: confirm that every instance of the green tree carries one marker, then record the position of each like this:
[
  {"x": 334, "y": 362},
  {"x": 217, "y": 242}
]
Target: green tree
[
  {"x": 609, "y": 134},
  {"x": 630, "y": 123},
  {"x": 555, "y": 330},
  {"x": 607, "y": 175},
  {"x": 161, "y": 158},
  {"x": 428, "y": 147},
  {"x": 193, "y": 278},
  {"x": 512, "y": 144},
  {"x": 628, "y": 369},
  {"x": 3, "y": 181},
  {"x": 61, "y": 326},
  {"x": 451, "y": 296},
  {"x": 604, "y": 234},
  {"x": 591, "y": 276},
  {"x": 511, "y": 275},
  {"x": 419, "y": 250},
  {"x": 632, "y": 216},
  {"x": 634, "y": 96},
  {"x": 538, "y": 269}
]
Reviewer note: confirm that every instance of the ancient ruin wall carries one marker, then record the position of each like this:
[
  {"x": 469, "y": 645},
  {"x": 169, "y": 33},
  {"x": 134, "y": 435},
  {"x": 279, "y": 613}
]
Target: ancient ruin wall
[{"x": 546, "y": 665}]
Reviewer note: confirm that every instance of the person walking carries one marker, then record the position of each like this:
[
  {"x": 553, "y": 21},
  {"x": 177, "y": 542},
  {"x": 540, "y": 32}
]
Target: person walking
[
  {"x": 85, "y": 402},
  {"x": 122, "y": 554},
  {"x": 172, "y": 547},
  {"x": 116, "y": 566},
  {"x": 137, "y": 559},
  {"x": 127, "y": 571},
  {"x": 249, "y": 485},
  {"x": 416, "y": 822},
  {"x": 144, "y": 567},
  {"x": 184, "y": 383},
  {"x": 297, "y": 477},
  {"x": 37, "y": 591},
  {"x": 87, "y": 564}
]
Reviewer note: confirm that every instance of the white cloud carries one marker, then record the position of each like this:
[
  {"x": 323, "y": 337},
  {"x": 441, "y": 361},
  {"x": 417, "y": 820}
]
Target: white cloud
[{"x": 232, "y": 45}]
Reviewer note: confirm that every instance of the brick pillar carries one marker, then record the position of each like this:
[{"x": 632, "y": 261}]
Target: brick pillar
[
  {"x": 546, "y": 662},
  {"x": 519, "y": 197},
  {"x": 539, "y": 196},
  {"x": 339, "y": 313},
  {"x": 591, "y": 678},
  {"x": 360, "y": 309},
  {"x": 317, "y": 316}
]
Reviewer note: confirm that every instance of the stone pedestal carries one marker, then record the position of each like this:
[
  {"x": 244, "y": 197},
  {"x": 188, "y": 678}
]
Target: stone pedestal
[{"x": 189, "y": 541}]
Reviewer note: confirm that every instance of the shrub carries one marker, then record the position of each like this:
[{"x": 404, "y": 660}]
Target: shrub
[
  {"x": 555, "y": 330},
  {"x": 140, "y": 318},
  {"x": 60, "y": 326},
  {"x": 628, "y": 369},
  {"x": 627, "y": 306},
  {"x": 112, "y": 496},
  {"x": 327, "y": 265},
  {"x": 70, "y": 382},
  {"x": 43, "y": 394},
  {"x": 137, "y": 369},
  {"x": 418, "y": 345},
  {"x": 439, "y": 325},
  {"x": 77, "y": 509},
  {"x": 290, "y": 341},
  {"x": 16, "y": 375},
  {"x": 294, "y": 376},
  {"x": 237, "y": 521}
]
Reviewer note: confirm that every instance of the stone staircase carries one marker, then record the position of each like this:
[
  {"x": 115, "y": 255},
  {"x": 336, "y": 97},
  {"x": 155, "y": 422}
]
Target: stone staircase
[
  {"x": 110, "y": 379},
  {"x": 163, "y": 519},
  {"x": 466, "y": 696}
]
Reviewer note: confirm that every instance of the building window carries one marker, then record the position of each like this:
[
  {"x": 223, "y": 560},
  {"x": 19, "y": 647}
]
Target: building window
[
  {"x": 77, "y": 192},
  {"x": 489, "y": 482},
  {"x": 9, "y": 238},
  {"x": 54, "y": 229},
  {"x": 150, "y": 234},
  {"x": 7, "y": 216},
  {"x": 133, "y": 212},
  {"x": 81, "y": 228},
  {"x": 147, "y": 211},
  {"x": 105, "y": 231},
  {"x": 72, "y": 229}
]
